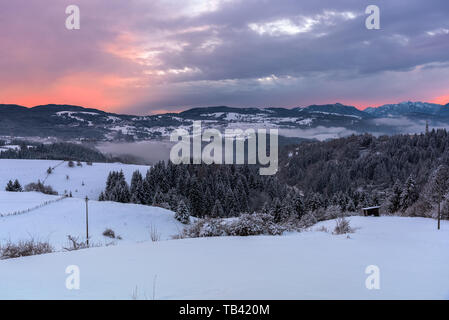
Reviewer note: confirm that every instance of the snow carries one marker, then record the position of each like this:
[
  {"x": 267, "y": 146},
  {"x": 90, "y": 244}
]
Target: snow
[
  {"x": 94, "y": 177},
  {"x": 9, "y": 147},
  {"x": 55, "y": 221},
  {"x": 411, "y": 254},
  {"x": 11, "y": 202}
]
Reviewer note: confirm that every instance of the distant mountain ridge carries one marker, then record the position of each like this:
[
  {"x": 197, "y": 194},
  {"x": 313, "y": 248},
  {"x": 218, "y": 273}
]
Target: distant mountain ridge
[{"x": 68, "y": 122}]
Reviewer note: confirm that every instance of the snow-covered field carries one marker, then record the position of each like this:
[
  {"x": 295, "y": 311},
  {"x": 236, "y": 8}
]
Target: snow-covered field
[
  {"x": 93, "y": 177},
  {"x": 55, "y": 221},
  {"x": 412, "y": 255}
]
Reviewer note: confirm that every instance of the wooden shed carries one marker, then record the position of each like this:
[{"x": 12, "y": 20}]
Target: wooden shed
[{"x": 371, "y": 211}]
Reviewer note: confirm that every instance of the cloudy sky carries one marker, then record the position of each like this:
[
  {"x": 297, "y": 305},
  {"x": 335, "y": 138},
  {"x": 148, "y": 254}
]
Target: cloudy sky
[{"x": 141, "y": 57}]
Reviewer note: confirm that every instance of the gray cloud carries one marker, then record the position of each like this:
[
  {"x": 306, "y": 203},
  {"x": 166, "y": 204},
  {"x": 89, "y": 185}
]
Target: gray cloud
[{"x": 176, "y": 54}]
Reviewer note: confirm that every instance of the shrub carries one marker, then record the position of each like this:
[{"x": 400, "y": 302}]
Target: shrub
[
  {"x": 255, "y": 224},
  {"x": 342, "y": 226},
  {"x": 208, "y": 227},
  {"x": 40, "y": 187},
  {"x": 308, "y": 220},
  {"x": 154, "y": 234},
  {"x": 245, "y": 225},
  {"x": 71, "y": 164},
  {"x": 24, "y": 248},
  {"x": 75, "y": 244},
  {"x": 420, "y": 208},
  {"x": 109, "y": 233}
]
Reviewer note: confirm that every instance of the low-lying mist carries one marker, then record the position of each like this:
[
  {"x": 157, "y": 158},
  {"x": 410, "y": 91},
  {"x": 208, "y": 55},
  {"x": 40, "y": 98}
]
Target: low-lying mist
[{"x": 142, "y": 152}]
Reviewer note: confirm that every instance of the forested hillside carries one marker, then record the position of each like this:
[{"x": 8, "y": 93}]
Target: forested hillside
[
  {"x": 321, "y": 178},
  {"x": 55, "y": 151}
]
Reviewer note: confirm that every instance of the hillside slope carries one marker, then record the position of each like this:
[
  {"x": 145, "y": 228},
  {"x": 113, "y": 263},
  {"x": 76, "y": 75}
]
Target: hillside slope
[
  {"x": 93, "y": 177},
  {"x": 411, "y": 254},
  {"x": 55, "y": 221}
]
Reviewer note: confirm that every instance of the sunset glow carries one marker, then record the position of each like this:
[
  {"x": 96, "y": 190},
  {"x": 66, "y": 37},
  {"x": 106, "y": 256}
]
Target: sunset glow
[{"x": 166, "y": 55}]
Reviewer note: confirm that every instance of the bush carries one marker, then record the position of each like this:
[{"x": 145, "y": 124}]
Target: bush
[
  {"x": 154, "y": 234},
  {"x": 24, "y": 248},
  {"x": 205, "y": 228},
  {"x": 109, "y": 233},
  {"x": 308, "y": 220},
  {"x": 255, "y": 224},
  {"x": 342, "y": 226},
  {"x": 40, "y": 187},
  {"x": 420, "y": 208},
  {"x": 71, "y": 164},
  {"x": 75, "y": 244},
  {"x": 245, "y": 225}
]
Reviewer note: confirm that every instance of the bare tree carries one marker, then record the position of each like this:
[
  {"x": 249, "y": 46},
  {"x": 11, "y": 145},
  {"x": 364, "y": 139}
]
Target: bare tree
[{"x": 439, "y": 185}]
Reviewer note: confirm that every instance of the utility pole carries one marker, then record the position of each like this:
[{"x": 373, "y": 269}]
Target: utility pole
[
  {"x": 439, "y": 211},
  {"x": 87, "y": 221}
]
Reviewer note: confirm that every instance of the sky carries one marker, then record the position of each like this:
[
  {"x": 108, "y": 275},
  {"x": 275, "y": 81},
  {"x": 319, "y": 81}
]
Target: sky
[{"x": 146, "y": 57}]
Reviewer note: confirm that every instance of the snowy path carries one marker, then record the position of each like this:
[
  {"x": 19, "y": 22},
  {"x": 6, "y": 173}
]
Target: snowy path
[{"x": 412, "y": 256}]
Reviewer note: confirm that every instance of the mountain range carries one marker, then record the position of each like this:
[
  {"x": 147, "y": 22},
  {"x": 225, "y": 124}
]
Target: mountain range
[{"x": 67, "y": 122}]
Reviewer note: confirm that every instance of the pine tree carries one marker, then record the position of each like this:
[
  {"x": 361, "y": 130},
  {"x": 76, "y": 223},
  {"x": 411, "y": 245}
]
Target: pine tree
[
  {"x": 394, "y": 200},
  {"x": 276, "y": 210},
  {"x": 136, "y": 189},
  {"x": 217, "y": 211},
  {"x": 230, "y": 203},
  {"x": 9, "y": 186},
  {"x": 158, "y": 199},
  {"x": 409, "y": 193},
  {"x": 298, "y": 206},
  {"x": 196, "y": 200},
  {"x": 182, "y": 213}
]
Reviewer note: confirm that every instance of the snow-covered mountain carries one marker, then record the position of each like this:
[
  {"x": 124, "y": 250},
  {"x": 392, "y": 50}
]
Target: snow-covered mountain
[
  {"x": 67, "y": 122},
  {"x": 408, "y": 108}
]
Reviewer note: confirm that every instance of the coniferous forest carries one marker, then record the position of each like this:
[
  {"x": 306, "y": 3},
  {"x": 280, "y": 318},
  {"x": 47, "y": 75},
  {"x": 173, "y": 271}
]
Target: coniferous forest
[{"x": 399, "y": 173}]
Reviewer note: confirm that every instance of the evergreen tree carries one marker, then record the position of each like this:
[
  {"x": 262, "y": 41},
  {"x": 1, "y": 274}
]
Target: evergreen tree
[
  {"x": 182, "y": 213},
  {"x": 409, "y": 193},
  {"x": 298, "y": 206},
  {"x": 394, "y": 200},
  {"x": 10, "y": 186},
  {"x": 137, "y": 188},
  {"x": 196, "y": 200},
  {"x": 217, "y": 211},
  {"x": 276, "y": 210},
  {"x": 13, "y": 186},
  {"x": 230, "y": 203}
]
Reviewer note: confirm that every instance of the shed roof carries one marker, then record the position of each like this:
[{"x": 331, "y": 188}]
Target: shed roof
[{"x": 368, "y": 208}]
